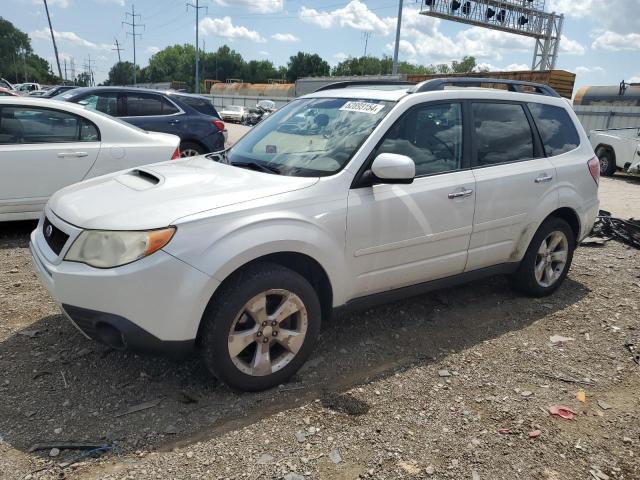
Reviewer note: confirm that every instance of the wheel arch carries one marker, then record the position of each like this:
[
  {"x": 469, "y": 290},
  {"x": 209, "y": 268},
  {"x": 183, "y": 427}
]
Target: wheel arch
[
  {"x": 301, "y": 263},
  {"x": 194, "y": 141},
  {"x": 570, "y": 216}
]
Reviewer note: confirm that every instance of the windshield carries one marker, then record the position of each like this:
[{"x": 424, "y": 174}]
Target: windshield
[
  {"x": 311, "y": 137},
  {"x": 233, "y": 108}
]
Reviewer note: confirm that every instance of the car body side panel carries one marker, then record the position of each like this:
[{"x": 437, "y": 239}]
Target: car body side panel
[{"x": 310, "y": 221}]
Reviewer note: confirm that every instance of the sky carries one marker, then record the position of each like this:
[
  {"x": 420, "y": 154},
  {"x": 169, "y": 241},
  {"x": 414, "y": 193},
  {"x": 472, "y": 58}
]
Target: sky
[{"x": 601, "y": 40}]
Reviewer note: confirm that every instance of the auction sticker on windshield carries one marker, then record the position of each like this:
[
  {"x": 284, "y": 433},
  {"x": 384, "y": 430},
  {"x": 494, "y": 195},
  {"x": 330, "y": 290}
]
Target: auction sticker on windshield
[{"x": 362, "y": 107}]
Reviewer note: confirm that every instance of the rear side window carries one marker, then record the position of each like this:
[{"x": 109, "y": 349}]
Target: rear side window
[
  {"x": 20, "y": 125},
  {"x": 143, "y": 105},
  {"x": 502, "y": 133},
  {"x": 556, "y": 128},
  {"x": 168, "y": 108},
  {"x": 200, "y": 104}
]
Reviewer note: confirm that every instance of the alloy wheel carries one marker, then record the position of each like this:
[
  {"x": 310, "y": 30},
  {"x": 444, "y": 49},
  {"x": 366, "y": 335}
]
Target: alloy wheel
[
  {"x": 189, "y": 152},
  {"x": 551, "y": 259},
  {"x": 268, "y": 332},
  {"x": 604, "y": 164}
]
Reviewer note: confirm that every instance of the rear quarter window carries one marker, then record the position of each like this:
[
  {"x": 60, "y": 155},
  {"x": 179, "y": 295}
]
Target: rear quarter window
[{"x": 559, "y": 135}]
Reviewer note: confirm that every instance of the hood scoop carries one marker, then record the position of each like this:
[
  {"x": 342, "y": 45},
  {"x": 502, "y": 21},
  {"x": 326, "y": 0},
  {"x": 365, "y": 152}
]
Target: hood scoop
[{"x": 139, "y": 179}]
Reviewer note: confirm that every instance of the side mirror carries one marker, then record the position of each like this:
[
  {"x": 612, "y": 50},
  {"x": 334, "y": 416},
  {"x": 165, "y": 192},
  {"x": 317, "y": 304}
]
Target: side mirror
[{"x": 393, "y": 168}]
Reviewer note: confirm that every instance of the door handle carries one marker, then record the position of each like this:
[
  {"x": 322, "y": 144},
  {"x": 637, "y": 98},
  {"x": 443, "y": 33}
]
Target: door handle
[
  {"x": 461, "y": 193},
  {"x": 544, "y": 178},
  {"x": 72, "y": 154},
  {"x": 173, "y": 122}
]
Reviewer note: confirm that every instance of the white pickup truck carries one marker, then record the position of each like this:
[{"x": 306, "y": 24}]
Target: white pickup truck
[{"x": 617, "y": 149}]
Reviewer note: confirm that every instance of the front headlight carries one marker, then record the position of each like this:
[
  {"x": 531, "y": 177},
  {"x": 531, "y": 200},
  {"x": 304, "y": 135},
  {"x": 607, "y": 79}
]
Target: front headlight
[{"x": 108, "y": 249}]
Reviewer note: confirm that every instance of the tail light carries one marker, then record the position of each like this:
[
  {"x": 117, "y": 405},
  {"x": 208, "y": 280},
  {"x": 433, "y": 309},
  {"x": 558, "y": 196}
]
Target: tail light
[
  {"x": 219, "y": 124},
  {"x": 594, "y": 169},
  {"x": 176, "y": 154}
]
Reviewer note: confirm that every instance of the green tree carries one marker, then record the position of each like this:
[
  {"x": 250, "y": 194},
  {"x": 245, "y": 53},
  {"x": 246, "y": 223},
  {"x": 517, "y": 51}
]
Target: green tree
[
  {"x": 466, "y": 65},
  {"x": 176, "y": 62},
  {"x": 306, "y": 65},
  {"x": 122, "y": 74},
  {"x": 223, "y": 64},
  {"x": 259, "y": 71},
  {"x": 83, "y": 79},
  {"x": 19, "y": 63}
]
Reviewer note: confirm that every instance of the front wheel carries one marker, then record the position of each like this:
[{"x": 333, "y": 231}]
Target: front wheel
[
  {"x": 260, "y": 327},
  {"x": 547, "y": 260}
]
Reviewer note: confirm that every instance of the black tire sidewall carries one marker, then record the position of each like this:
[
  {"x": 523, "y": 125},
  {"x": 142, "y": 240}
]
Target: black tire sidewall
[
  {"x": 525, "y": 279},
  {"x": 226, "y": 305},
  {"x": 611, "y": 168}
]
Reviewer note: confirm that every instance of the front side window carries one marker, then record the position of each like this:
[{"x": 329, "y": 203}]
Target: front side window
[
  {"x": 143, "y": 105},
  {"x": 431, "y": 135},
  {"x": 105, "y": 102},
  {"x": 556, "y": 128},
  {"x": 502, "y": 133},
  {"x": 310, "y": 137},
  {"x": 39, "y": 125}
]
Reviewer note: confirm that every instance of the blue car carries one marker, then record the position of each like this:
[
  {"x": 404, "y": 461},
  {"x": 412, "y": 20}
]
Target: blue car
[{"x": 191, "y": 117}]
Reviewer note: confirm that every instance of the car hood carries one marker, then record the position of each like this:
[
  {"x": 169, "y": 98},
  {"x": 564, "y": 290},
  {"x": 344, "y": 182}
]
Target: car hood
[{"x": 157, "y": 195}]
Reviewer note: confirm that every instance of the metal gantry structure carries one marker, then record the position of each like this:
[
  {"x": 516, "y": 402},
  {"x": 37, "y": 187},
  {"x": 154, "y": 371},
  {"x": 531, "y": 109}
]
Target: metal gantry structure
[{"x": 520, "y": 17}]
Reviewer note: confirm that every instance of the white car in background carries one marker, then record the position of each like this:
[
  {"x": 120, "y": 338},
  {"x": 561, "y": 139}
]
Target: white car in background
[
  {"x": 618, "y": 150},
  {"x": 46, "y": 145},
  {"x": 234, "y": 113}
]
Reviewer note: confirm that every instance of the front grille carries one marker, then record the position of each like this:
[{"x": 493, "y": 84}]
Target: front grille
[{"x": 55, "y": 237}]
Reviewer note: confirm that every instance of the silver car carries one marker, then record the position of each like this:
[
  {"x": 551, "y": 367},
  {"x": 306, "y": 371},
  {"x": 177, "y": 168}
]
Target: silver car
[{"x": 234, "y": 113}]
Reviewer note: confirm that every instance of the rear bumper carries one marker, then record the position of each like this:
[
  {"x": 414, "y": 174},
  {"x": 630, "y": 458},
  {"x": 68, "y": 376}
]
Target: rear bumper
[{"x": 215, "y": 141}]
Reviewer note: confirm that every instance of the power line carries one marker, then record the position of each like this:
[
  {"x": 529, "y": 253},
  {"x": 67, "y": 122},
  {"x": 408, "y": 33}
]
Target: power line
[
  {"x": 53, "y": 38},
  {"x": 118, "y": 49},
  {"x": 197, "y": 8},
  {"x": 133, "y": 33}
]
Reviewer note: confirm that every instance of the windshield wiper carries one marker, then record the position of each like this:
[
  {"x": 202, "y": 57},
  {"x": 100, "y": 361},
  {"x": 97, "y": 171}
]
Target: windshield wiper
[{"x": 257, "y": 166}]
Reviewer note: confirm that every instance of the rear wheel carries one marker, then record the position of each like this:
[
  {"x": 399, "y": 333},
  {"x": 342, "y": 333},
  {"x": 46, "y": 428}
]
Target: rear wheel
[
  {"x": 607, "y": 162},
  {"x": 261, "y": 327},
  {"x": 548, "y": 259},
  {"x": 190, "y": 149}
]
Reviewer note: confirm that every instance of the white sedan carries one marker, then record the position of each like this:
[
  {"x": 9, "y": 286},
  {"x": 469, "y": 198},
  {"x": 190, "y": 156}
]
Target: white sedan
[{"x": 46, "y": 145}]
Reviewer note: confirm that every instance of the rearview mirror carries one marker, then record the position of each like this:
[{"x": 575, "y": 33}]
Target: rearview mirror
[{"x": 393, "y": 168}]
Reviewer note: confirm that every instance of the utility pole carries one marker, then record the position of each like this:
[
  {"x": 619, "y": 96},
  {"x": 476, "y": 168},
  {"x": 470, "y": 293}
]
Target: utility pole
[
  {"x": 88, "y": 69},
  {"x": 133, "y": 33},
  {"x": 73, "y": 70},
  {"x": 394, "y": 68},
  {"x": 65, "y": 70},
  {"x": 118, "y": 49},
  {"x": 197, "y": 8},
  {"x": 53, "y": 38}
]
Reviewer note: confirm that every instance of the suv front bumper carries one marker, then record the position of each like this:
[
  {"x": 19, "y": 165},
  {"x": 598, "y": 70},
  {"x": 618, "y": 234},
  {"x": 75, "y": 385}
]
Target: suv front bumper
[{"x": 154, "y": 304}]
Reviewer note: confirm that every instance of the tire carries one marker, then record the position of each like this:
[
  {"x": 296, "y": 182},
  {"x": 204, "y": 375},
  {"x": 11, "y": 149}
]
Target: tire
[
  {"x": 190, "y": 149},
  {"x": 526, "y": 280},
  {"x": 236, "y": 310},
  {"x": 607, "y": 161}
]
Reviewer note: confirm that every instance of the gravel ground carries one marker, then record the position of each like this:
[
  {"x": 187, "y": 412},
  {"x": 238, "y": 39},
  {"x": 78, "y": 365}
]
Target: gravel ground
[{"x": 424, "y": 388}]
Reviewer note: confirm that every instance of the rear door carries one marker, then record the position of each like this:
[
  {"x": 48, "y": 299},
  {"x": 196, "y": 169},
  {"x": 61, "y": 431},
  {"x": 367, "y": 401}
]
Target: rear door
[
  {"x": 514, "y": 181},
  {"x": 151, "y": 111},
  {"x": 41, "y": 151}
]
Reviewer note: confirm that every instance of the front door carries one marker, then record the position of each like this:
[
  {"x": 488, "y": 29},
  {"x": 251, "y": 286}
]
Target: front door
[
  {"x": 41, "y": 151},
  {"x": 398, "y": 235}
]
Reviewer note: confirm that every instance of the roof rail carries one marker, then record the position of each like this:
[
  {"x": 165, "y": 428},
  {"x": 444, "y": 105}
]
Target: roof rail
[
  {"x": 356, "y": 83},
  {"x": 512, "y": 85}
]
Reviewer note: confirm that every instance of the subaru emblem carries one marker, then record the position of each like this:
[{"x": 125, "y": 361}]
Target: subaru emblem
[{"x": 48, "y": 231}]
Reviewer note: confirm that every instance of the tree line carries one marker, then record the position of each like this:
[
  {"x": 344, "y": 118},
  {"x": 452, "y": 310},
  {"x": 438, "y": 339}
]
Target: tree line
[{"x": 176, "y": 63}]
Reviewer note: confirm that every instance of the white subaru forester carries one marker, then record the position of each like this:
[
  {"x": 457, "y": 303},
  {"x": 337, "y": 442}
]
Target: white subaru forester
[{"x": 352, "y": 195}]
